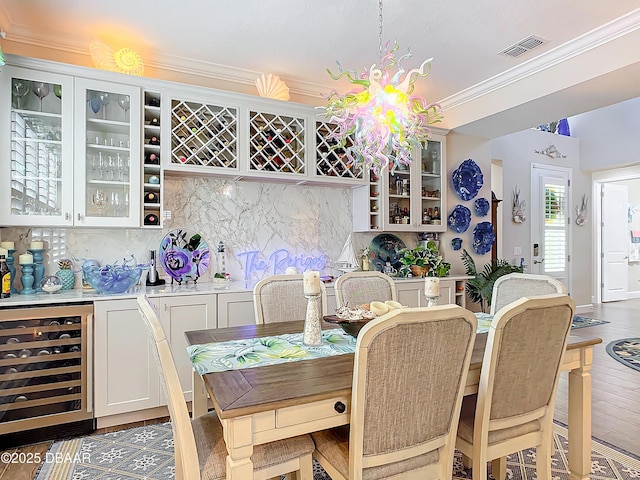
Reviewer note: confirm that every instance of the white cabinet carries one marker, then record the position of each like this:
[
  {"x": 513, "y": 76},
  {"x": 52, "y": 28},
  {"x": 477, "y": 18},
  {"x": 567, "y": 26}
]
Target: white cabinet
[
  {"x": 235, "y": 309},
  {"x": 407, "y": 198},
  {"x": 411, "y": 292},
  {"x": 125, "y": 371},
  {"x": 72, "y": 150},
  {"x": 107, "y": 154},
  {"x": 36, "y": 148},
  {"x": 181, "y": 314},
  {"x": 126, "y": 375}
]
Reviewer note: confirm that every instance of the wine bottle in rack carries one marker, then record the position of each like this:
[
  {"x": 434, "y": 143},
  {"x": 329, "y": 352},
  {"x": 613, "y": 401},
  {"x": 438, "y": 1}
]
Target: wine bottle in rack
[
  {"x": 151, "y": 197},
  {"x": 154, "y": 140},
  {"x": 151, "y": 219},
  {"x": 151, "y": 158}
]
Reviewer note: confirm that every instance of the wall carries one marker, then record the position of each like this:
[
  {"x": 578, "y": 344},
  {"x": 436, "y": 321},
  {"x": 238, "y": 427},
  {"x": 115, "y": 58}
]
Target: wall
[{"x": 517, "y": 154}]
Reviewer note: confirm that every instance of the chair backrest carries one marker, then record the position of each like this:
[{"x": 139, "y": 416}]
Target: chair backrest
[
  {"x": 280, "y": 298},
  {"x": 186, "y": 456},
  {"x": 521, "y": 364},
  {"x": 514, "y": 286},
  {"x": 357, "y": 288},
  {"x": 410, "y": 371}
]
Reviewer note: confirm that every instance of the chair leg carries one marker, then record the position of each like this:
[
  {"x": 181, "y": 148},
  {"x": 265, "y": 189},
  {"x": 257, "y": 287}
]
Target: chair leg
[
  {"x": 499, "y": 468},
  {"x": 543, "y": 459},
  {"x": 479, "y": 466},
  {"x": 306, "y": 469}
]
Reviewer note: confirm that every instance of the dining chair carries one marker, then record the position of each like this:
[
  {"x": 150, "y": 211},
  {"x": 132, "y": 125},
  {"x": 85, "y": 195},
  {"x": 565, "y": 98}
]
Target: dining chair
[
  {"x": 280, "y": 298},
  {"x": 513, "y": 409},
  {"x": 357, "y": 288},
  {"x": 514, "y": 286},
  {"x": 410, "y": 370},
  {"x": 205, "y": 459}
]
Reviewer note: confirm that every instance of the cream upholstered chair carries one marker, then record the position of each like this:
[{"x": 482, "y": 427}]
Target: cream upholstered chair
[
  {"x": 513, "y": 409},
  {"x": 409, "y": 375},
  {"x": 514, "y": 286},
  {"x": 206, "y": 458},
  {"x": 357, "y": 288},
  {"x": 280, "y": 298}
]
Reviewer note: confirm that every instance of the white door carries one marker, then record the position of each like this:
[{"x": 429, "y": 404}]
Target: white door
[
  {"x": 550, "y": 222},
  {"x": 615, "y": 242}
]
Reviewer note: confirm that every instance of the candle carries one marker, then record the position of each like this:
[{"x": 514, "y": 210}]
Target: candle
[
  {"x": 37, "y": 245},
  {"x": 4, "y": 251},
  {"x": 25, "y": 259},
  {"x": 8, "y": 245},
  {"x": 431, "y": 287},
  {"x": 311, "y": 282}
]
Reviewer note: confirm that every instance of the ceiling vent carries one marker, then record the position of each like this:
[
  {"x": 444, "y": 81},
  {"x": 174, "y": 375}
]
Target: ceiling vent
[{"x": 523, "y": 46}]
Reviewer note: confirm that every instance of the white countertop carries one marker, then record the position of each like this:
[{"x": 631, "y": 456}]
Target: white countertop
[{"x": 89, "y": 295}]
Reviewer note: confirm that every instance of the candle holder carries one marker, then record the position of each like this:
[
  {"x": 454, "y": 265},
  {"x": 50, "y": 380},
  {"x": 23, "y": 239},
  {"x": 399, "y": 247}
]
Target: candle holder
[
  {"x": 27, "y": 279},
  {"x": 312, "y": 335},
  {"x": 432, "y": 301},
  {"x": 12, "y": 269},
  {"x": 38, "y": 268}
]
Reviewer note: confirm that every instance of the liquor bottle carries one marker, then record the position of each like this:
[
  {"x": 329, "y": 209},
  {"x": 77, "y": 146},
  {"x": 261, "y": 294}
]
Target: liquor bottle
[
  {"x": 5, "y": 278},
  {"x": 151, "y": 219},
  {"x": 151, "y": 197},
  {"x": 151, "y": 158}
]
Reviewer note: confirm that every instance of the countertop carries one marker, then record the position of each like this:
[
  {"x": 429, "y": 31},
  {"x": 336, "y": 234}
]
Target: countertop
[{"x": 89, "y": 295}]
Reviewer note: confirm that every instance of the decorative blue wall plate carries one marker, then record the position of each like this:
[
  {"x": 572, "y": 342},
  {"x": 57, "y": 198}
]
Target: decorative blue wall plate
[
  {"x": 481, "y": 207},
  {"x": 467, "y": 179},
  {"x": 483, "y": 238},
  {"x": 459, "y": 219}
]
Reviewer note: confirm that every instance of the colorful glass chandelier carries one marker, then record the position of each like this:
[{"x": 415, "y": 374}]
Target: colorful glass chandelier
[{"x": 380, "y": 121}]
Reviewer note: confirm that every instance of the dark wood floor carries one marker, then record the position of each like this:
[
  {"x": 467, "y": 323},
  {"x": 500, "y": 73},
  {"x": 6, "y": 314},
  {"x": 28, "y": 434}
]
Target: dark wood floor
[{"x": 616, "y": 390}]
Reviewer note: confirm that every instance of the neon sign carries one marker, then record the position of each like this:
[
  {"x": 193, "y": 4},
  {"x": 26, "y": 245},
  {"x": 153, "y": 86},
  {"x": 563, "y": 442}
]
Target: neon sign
[{"x": 256, "y": 265}]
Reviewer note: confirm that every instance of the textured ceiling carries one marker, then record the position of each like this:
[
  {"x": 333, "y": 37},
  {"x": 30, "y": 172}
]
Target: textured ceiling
[{"x": 298, "y": 40}]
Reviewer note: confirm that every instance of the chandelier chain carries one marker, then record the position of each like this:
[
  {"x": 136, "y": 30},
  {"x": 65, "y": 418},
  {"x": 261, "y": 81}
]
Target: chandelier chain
[{"x": 380, "y": 29}]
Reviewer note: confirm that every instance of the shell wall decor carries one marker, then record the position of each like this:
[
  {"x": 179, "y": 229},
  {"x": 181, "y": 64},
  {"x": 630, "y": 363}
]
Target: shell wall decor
[
  {"x": 518, "y": 207},
  {"x": 124, "y": 60},
  {"x": 271, "y": 86}
]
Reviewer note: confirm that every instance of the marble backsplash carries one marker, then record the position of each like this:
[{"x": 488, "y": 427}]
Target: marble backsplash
[{"x": 265, "y": 218}]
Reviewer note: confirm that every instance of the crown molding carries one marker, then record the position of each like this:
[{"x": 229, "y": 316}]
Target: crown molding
[{"x": 604, "y": 34}]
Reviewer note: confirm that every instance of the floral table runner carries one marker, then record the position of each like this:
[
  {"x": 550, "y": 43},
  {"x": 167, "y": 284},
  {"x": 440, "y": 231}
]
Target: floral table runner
[{"x": 259, "y": 352}]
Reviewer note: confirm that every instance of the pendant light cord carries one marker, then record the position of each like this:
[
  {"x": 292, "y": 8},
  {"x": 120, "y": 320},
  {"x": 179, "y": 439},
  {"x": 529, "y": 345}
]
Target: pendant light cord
[{"x": 380, "y": 30}]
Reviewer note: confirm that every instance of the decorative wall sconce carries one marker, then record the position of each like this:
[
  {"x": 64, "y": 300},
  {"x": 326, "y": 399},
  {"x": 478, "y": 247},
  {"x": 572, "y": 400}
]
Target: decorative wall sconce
[
  {"x": 124, "y": 60},
  {"x": 581, "y": 211},
  {"x": 271, "y": 86},
  {"x": 517, "y": 209},
  {"x": 551, "y": 152}
]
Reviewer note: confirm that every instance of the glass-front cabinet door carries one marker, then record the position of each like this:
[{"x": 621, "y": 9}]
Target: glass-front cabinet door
[
  {"x": 107, "y": 154},
  {"x": 432, "y": 187},
  {"x": 36, "y": 148}
]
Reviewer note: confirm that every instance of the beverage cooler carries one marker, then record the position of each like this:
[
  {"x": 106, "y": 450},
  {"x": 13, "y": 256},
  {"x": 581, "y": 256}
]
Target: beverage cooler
[{"x": 45, "y": 373}]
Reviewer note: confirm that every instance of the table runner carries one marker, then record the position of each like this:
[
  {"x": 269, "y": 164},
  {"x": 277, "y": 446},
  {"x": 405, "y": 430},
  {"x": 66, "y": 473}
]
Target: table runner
[{"x": 259, "y": 352}]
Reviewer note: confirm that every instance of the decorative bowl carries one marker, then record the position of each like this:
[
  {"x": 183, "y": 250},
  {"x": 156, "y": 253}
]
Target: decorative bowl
[
  {"x": 112, "y": 278},
  {"x": 350, "y": 327}
]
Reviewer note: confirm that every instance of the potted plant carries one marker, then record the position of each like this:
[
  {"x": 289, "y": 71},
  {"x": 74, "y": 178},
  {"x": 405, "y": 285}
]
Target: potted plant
[
  {"x": 480, "y": 288},
  {"x": 423, "y": 262}
]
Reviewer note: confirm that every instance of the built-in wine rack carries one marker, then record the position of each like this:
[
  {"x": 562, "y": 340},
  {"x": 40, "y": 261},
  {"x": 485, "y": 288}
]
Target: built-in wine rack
[
  {"x": 332, "y": 161},
  {"x": 44, "y": 379},
  {"x": 276, "y": 143},
  {"x": 204, "y": 135},
  {"x": 152, "y": 191}
]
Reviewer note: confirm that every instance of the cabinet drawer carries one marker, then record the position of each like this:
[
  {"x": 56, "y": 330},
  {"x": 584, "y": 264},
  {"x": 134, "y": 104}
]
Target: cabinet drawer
[{"x": 289, "y": 416}]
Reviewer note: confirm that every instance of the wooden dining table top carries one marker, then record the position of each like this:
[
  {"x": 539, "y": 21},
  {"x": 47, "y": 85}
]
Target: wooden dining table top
[{"x": 244, "y": 392}]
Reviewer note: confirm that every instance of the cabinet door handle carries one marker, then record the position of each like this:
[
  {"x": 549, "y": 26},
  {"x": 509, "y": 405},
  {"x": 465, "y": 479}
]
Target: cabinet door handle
[
  {"x": 67, "y": 216},
  {"x": 79, "y": 217}
]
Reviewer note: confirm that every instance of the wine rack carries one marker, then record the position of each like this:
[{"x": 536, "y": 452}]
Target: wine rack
[
  {"x": 44, "y": 378},
  {"x": 204, "y": 135},
  {"x": 152, "y": 175},
  {"x": 276, "y": 143},
  {"x": 331, "y": 161}
]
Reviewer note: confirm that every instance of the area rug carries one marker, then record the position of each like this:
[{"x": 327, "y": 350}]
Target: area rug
[
  {"x": 147, "y": 453},
  {"x": 626, "y": 351},
  {"x": 580, "y": 322}
]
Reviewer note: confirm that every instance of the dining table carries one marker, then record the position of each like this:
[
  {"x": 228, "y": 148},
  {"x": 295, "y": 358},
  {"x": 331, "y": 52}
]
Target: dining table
[{"x": 272, "y": 402}]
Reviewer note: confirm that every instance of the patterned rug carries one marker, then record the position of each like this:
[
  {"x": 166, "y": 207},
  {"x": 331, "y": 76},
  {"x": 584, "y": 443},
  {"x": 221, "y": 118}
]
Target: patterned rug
[
  {"x": 580, "y": 322},
  {"x": 147, "y": 453},
  {"x": 626, "y": 351}
]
